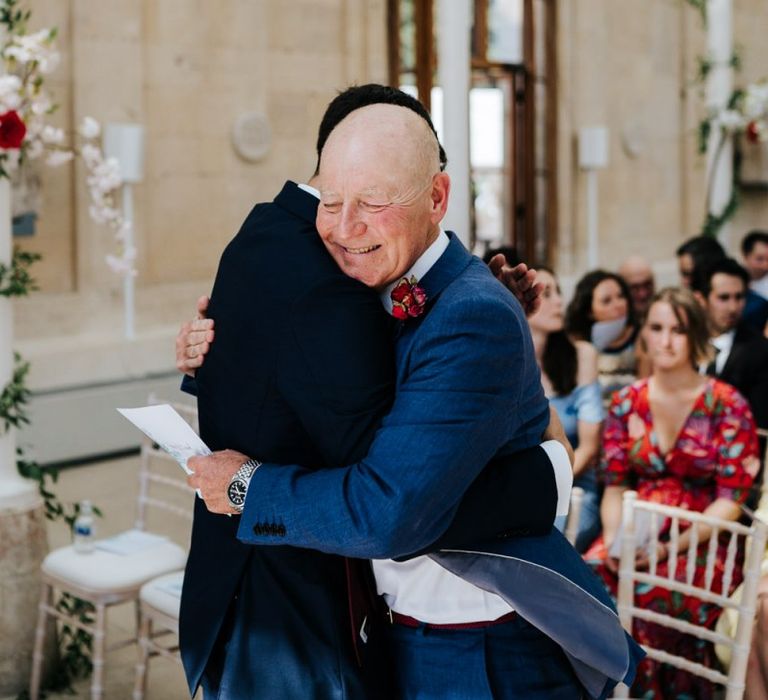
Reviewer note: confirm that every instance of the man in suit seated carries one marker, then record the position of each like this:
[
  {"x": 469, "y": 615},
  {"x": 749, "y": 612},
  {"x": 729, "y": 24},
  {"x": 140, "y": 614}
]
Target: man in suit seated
[
  {"x": 468, "y": 391},
  {"x": 742, "y": 352}
]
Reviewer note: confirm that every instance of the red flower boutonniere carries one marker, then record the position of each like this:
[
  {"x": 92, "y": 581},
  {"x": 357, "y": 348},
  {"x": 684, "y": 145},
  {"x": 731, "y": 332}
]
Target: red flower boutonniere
[
  {"x": 408, "y": 299},
  {"x": 12, "y": 130}
]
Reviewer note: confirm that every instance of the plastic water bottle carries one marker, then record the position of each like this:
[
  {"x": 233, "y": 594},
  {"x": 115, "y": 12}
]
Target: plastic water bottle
[{"x": 84, "y": 530}]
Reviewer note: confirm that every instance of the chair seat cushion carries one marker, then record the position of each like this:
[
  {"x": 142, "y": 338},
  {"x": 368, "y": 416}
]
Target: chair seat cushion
[
  {"x": 105, "y": 571},
  {"x": 164, "y": 593}
]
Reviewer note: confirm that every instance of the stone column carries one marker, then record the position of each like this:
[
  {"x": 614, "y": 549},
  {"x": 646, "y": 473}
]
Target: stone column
[
  {"x": 718, "y": 91},
  {"x": 453, "y": 60},
  {"x": 23, "y": 542}
]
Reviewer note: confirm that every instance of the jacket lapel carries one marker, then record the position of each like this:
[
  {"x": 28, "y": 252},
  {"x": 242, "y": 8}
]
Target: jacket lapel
[{"x": 448, "y": 267}]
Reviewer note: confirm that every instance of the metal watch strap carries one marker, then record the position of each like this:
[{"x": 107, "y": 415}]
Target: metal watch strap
[
  {"x": 246, "y": 470},
  {"x": 244, "y": 474}
]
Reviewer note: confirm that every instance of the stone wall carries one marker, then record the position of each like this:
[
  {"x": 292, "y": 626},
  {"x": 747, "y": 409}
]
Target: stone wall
[
  {"x": 186, "y": 69},
  {"x": 629, "y": 66}
]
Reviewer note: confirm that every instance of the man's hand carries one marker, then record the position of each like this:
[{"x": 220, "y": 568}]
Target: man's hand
[
  {"x": 555, "y": 431},
  {"x": 194, "y": 339},
  {"x": 212, "y": 475},
  {"x": 520, "y": 281}
]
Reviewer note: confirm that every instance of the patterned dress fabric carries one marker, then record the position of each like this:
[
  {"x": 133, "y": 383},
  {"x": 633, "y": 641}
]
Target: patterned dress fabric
[{"x": 714, "y": 456}]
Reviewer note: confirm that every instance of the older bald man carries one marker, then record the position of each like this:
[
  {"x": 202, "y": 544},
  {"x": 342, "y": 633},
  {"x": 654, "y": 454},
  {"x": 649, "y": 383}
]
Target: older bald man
[{"x": 637, "y": 273}]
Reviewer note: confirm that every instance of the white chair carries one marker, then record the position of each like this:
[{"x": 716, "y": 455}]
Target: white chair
[
  {"x": 105, "y": 578},
  {"x": 574, "y": 514},
  {"x": 655, "y": 515},
  {"x": 159, "y": 602}
]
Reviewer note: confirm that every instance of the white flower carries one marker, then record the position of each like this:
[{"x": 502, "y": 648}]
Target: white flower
[
  {"x": 56, "y": 158},
  {"x": 91, "y": 155},
  {"x": 52, "y": 135},
  {"x": 34, "y": 48},
  {"x": 731, "y": 120},
  {"x": 41, "y": 105},
  {"x": 90, "y": 128},
  {"x": 34, "y": 149}
]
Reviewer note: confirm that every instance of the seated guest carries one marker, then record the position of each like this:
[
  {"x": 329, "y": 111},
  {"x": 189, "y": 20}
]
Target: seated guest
[
  {"x": 742, "y": 352},
  {"x": 599, "y": 313},
  {"x": 754, "y": 248},
  {"x": 569, "y": 377},
  {"x": 637, "y": 273},
  {"x": 702, "y": 252},
  {"x": 681, "y": 439},
  {"x": 696, "y": 252}
]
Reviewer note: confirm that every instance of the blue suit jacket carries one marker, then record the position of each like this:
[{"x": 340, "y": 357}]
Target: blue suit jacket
[
  {"x": 301, "y": 371},
  {"x": 468, "y": 389}
]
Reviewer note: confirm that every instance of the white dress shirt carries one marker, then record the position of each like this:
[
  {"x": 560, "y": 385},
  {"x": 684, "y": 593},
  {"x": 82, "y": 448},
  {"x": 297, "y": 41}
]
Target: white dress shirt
[
  {"x": 724, "y": 344},
  {"x": 420, "y": 587}
]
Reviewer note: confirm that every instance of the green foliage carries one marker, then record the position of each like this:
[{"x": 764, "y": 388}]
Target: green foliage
[
  {"x": 701, "y": 7},
  {"x": 14, "y": 397},
  {"x": 15, "y": 280},
  {"x": 13, "y": 17},
  {"x": 714, "y": 222},
  {"x": 703, "y": 133}
]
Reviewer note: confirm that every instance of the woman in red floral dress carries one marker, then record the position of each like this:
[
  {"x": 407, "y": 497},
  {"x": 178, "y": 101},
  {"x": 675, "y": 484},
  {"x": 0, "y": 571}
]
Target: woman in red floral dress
[{"x": 681, "y": 439}]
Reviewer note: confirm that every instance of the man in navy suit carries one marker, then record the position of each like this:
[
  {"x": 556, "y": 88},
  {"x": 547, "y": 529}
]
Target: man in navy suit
[
  {"x": 468, "y": 391},
  {"x": 302, "y": 371}
]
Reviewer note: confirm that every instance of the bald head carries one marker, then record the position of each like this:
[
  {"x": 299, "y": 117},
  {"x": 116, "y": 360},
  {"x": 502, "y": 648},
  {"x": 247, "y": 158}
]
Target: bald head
[
  {"x": 385, "y": 130},
  {"x": 638, "y": 275},
  {"x": 382, "y": 193}
]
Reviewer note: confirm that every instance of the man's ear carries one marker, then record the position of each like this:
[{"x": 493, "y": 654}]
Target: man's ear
[
  {"x": 441, "y": 189},
  {"x": 701, "y": 299}
]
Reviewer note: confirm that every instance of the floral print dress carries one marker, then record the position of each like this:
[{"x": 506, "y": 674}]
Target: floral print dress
[{"x": 714, "y": 456}]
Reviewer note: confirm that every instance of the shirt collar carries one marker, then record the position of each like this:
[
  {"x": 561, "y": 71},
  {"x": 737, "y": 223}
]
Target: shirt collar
[
  {"x": 724, "y": 341},
  {"x": 420, "y": 268},
  {"x": 308, "y": 188}
]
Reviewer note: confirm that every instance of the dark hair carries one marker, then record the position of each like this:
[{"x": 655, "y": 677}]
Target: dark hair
[
  {"x": 508, "y": 251},
  {"x": 751, "y": 240},
  {"x": 702, "y": 275},
  {"x": 559, "y": 360},
  {"x": 358, "y": 96},
  {"x": 701, "y": 246},
  {"x": 578, "y": 315}
]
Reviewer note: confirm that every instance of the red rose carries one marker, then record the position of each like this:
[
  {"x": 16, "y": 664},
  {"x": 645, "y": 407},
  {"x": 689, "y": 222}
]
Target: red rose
[
  {"x": 753, "y": 132},
  {"x": 12, "y": 130},
  {"x": 408, "y": 299}
]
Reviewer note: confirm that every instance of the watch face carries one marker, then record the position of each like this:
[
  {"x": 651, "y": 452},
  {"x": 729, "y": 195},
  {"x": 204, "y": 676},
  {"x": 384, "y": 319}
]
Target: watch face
[{"x": 236, "y": 493}]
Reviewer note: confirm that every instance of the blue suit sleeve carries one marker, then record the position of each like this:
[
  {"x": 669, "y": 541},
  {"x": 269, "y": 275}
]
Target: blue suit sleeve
[{"x": 459, "y": 404}]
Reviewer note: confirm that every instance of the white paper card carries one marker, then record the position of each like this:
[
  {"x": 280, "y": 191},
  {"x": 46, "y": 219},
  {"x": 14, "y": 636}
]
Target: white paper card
[
  {"x": 130, "y": 542},
  {"x": 168, "y": 429}
]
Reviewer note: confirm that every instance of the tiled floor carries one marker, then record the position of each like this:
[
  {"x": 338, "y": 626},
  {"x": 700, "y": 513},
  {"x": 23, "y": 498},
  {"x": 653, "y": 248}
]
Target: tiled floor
[{"x": 113, "y": 487}]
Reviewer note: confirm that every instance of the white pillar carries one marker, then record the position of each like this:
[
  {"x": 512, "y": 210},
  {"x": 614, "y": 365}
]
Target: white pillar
[
  {"x": 718, "y": 91},
  {"x": 453, "y": 60},
  {"x": 15, "y": 492}
]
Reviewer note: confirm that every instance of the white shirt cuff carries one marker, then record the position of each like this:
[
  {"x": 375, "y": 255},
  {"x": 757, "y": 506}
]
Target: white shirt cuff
[{"x": 561, "y": 465}]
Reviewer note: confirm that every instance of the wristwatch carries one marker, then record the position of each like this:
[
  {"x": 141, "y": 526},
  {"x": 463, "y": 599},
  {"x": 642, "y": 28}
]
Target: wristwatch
[{"x": 238, "y": 484}]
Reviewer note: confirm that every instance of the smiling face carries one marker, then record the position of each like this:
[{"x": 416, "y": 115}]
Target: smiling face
[
  {"x": 666, "y": 337},
  {"x": 608, "y": 301},
  {"x": 549, "y": 316},
  {"x": 382, "y": 196}
]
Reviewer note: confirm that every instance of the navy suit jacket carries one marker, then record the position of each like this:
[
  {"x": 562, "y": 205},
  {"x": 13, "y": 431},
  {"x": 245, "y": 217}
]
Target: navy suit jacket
[
  {"x": 468, "y": 389},
  {"x": 301, "y": 371}
]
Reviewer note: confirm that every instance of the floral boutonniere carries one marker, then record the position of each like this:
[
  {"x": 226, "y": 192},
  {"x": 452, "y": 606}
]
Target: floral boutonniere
[{"x": 408, "y": 299}]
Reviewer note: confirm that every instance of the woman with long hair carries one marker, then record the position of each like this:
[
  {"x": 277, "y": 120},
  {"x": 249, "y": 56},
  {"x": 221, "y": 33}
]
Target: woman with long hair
[
  {"x": 601, "y": 313},
  {"x": 681, "y": 439},
  {"x": 569, "y": 378}
]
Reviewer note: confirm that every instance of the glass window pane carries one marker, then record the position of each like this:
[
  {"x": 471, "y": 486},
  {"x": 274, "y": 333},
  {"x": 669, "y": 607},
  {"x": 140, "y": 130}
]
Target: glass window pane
[
  {"x": 505, "y": 31},
  {"x": 486, "y": 127}
]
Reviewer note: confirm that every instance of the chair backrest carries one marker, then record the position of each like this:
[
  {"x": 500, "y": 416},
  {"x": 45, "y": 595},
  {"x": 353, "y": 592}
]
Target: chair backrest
[
  {"x": 652, "y": 517},
  {"x": 574, "y": 514},
  {"x": 162, "y": 482}
]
